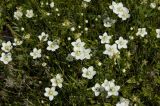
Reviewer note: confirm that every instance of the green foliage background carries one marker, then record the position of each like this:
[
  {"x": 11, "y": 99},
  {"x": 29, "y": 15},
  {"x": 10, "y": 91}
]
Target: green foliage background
[{"x": 22, "y": 82}]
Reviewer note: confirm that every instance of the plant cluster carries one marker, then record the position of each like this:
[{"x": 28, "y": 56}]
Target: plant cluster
[{"x": 79, "y": 52}]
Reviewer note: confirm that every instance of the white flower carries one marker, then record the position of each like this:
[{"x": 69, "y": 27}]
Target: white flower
[
  {"x": 22, "y": 29},
  {"x": 29, "y": 13},
  {"x": 52, "y": 46},
  {"x": 6, "y": 47},
  {"x": 78, "y": 44},
  {"x": 69, "y": 57},
  {"x": 123, "y": 102},
  {"x": 36, "y": 53},
  {"x": 153, "y": 5},
  {"x": 69, "y": 38},
  {"x": 51, "y": 93},
  {"x": 57, "y": 81},
  {"x": 111, "y": 50},
  {"x": 108, "y": 22},
  {"x": 56, "y": 9},
  {"x": 124, "y": 70},
  {"x": 105, "y": 38},
  {"x": 18, "y": 14},
  {"x": 87, "y": 0},
  {"x": 114, "y": 4},
  {"x": 88, "y": 73},
  {"x": 113, "y": 89},
  {"x": 43, "y": 37},
  {"x": 86, "y": 29},
  {"x": 120, "y": 10},
  {"x": 99, "y": 63},
  {"x": 52, "y": 4},
  {"x": 27, "y": 36},
  {"x": 44, "y": 64},
  {"x": 87, "y": 54},
  {"x": 81, "y": 54},
  {"x": 17, "y": 42},
  {"x": 106, "y": 84},
  {"x": 116, "y": 7},
  {"x": 78, "y": 54},
  {"x": 72, "y": 29},
  {"x": 141, "y": 32},
  {"x": 121, "y": 43},
  {"x": 124, "y": 14},
  {"x": 96, "y": 89},
  {"x": 158, "y": 33},
  {"x": 6, "y": 58}
]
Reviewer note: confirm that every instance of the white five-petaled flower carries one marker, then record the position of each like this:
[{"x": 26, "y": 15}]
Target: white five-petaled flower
[
  {"x": 87, "y": 54},
  {"x": 43, "y": 37},
  {"x": 158, "y": 33},
  {"x": 141, "y": 32},
  {"x": 124, "y": 14},
  {"x": 122, "y": 43},
  {"x": 36, "y": 53},
  {"x": 18, "y": 14},
  {"x": 52, "y": 46},
  {"x": 106, "y": 84},
  {"x": 29, "y": 13},
  {"x": 112, "y": 89},
  {"x": 96, "y": 89},
  {"x": 120, "y": 10},
  {"x": 111, "y": 50},
  {"x": 123, "y": 102},
  {"x": 108, "y": 22},
  {"x": 57, "y": 81},
  {"x": 116, "y": 7},
  {"x": 78, "y": 54},
  {"x": 17, "y": 42},
  {"x": 105, "y": 38},
  {"x": 6, "y": 58},
  {"x": 51, "y": 93},
  {"x": 6, "y": 47},
  {"x": 78, "y": 44},
  {"x": 88, "y": 73}
]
